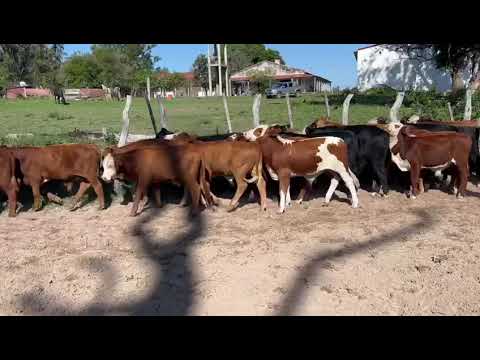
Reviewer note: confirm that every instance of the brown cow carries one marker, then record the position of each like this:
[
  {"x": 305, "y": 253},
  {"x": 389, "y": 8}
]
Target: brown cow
[
  {"x": 234, "y": 158},
  {"x": 8, "y": 182},
  {"x": 61, "y": 162},
  {"x": 307, "y": 157},
  {"x": 419, "y": 149},
  {"x": 152, "y": 165}
]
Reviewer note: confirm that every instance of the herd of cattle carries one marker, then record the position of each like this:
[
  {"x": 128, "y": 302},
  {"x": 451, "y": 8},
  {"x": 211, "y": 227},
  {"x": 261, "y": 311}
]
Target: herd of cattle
[{"x": 372, "y": 156}]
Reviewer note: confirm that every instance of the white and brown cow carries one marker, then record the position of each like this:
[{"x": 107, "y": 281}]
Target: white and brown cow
[
  {"x": 415, "y": 149},
  {"x": 306, "y": 157}
]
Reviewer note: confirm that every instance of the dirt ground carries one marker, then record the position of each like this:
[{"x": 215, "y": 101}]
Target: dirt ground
[{"x": 393, "y": 256}]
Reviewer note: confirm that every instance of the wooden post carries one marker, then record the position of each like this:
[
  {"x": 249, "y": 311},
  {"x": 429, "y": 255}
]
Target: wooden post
[
  {"x": 163, "y": 117},
  {"x": 151, "y": 114},
  {"x": 468, "y": 104},
  {"x": 346, "y": 104},
  {"x": 396, "y": 106},
  {"x": 290, "y": 117},
  {"x": 228, "y": 91},
  {"x": 256, "y": 110},
  {"x": 126, "y": 122},
  {"x": 219, "y": 54},
  {"x": 148, "y": 88},
  {"x": 227, "y": 113},
  {"x": 327, "y": 106},
  {"x": 450, "y": 110}
]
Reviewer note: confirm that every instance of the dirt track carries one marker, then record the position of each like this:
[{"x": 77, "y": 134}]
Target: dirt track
[{"x": 392, "y": 256}]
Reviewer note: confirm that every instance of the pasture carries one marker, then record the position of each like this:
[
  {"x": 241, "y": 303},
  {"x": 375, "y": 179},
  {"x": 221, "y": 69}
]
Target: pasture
[
  {"x": 51, "y": 123},
  {"x": 391, "y": 256}
]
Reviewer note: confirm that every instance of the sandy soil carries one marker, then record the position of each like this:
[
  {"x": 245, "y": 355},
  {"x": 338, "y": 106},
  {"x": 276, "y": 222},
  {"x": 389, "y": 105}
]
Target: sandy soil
[{"x": 392, "y": 256}]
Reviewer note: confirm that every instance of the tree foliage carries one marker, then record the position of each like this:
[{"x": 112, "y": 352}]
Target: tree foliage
[
  {"x": 36, "y": 64},
  {"x": 200, "y": 71},
  {"x": 124, "y": 65}
]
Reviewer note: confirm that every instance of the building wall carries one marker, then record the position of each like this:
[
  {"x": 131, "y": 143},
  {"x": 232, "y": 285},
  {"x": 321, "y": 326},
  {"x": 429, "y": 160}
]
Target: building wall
[{"x": 380, "y": 66}]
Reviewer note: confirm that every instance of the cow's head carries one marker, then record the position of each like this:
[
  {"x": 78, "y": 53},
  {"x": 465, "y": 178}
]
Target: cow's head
[
  {"x": 108, "y": 164},
  {"x": 392, "y": 128},
  {"x": 264, "y": 130}
]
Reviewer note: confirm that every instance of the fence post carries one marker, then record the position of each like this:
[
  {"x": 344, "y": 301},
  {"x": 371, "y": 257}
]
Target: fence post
[
  {"x": 468, "y": 104},
  {"x": 227, "y": 113},
  {"x": 450, "y": 110},
  {"x": 148, "y": 87},
  {"x": 126, "y": 122},
  {"x": 163, "y": 115},
  {"x": 290, "y": 116},
  {"x": 327, "y": 106},
  {"x": 256, "y": 110},
  {"x": 151, "y": 114},
  {"x": 346, "y": 105},
  {"x": 396, "y": 106}
]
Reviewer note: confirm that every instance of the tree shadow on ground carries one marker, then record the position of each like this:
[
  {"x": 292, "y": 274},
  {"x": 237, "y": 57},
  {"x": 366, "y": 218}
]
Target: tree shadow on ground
[
  {"x": 298, "y": 288},
  {"x": 172, "y": 292}
]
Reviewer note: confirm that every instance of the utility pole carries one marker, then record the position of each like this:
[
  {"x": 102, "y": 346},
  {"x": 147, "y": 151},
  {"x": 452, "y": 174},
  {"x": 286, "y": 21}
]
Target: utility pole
[{"x": 209, "y": 74}]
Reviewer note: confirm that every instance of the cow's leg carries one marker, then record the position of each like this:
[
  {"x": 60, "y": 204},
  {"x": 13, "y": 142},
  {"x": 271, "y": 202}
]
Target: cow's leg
[
  {"x": 241, "y": 187},
  {"x": 414, "y": 176},
  {"x": 347, "y": 179},
  {"x": 84, "y": 186},
  {"x": 333, "y": 186},
  {"x": 381, "y": 174},
  {"x": 288, "y": 200},
  {"x": 97, "y": 186},
  {"x": 195, "y": 193},
  {"x": 284, "y": 184},
  {"x": 306, "y": 189},
  {"x": 184, "y": 201},
  {"x": 420, "y": 185},
  {"x": 12, "y": 202},
  {"x": 262, "y": 190},
  {"x": 139, "y": 192},
  {"x": 37, "y": 197},
  {"x": 157, "y": 196},
  {"x": 462, "y": 183}
]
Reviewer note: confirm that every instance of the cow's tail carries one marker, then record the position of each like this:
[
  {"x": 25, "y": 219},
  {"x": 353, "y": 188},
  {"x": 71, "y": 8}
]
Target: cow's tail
[
  {"x": 257, "y": 171},
  {"x": 13, "y": 179},
  {"x": 354, "y": 177},
  {"x": 203, "y": 183}
]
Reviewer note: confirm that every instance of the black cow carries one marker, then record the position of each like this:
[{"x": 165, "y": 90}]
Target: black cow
[{"x": 370, "y": 152}]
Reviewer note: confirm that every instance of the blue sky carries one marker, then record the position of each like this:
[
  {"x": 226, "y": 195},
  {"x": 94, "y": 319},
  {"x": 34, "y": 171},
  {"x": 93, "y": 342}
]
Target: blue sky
[{"x": 332, "y": 61}]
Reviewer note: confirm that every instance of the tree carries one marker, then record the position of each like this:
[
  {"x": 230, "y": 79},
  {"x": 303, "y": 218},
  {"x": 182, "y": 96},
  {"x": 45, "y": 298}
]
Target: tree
[
  {"x": 242, "y": 55},
  {"x": 260, "y": 81},
  {"x": 82, "y": 71},
  {"x": 200, "y": 71},
  {"x": 36, "y": 64}
]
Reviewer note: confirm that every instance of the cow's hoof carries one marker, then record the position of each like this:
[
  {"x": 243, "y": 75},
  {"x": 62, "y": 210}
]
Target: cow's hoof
[
  {"x": 325, "y": 204},
  {"x": 373, "y": 194}
]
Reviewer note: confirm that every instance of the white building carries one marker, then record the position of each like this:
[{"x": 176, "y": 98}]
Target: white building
[{"x": 378, "y": 65}]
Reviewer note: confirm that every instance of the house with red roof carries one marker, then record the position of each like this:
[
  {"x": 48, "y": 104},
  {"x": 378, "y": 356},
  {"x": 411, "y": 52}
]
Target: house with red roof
[{"x": 307, "y": 81}]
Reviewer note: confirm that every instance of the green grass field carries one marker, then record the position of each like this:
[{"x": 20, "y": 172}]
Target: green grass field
[{"x": 50, "y": 123}]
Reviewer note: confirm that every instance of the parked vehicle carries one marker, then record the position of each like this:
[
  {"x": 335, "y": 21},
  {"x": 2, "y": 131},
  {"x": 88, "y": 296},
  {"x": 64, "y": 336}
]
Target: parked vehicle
[{"x": 282, "y": 88}]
